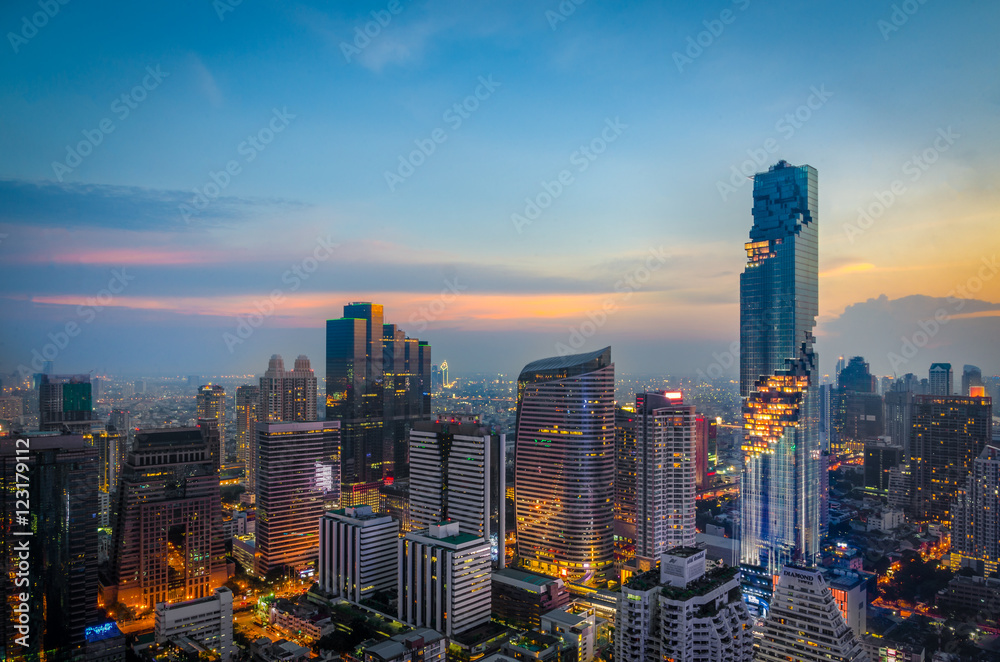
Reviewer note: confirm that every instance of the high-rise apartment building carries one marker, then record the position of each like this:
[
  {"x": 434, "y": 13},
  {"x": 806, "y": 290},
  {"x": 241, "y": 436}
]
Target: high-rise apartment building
[
  {"x": 358, "y": 553},
  {"x": 444, "y": 579},
  {"x": 679, "y": 611},
  {"x": 287, "y": 395},
  {"x": 949, "y": 432},
  {"x": 565, "y": 465},
  {"x": 56, "y": 571},
  {"x": 298, "y": 467},
  {"x": 169, "y": 543},
  {"x": 377, "y": 384},
  {"x": 898, "y": 416},
  {"x": 65, "y": 402},
  {"x": 247, "y": 404},
  {"x": 779, "y": 499},
  {"x": 940, "y": 379},
  {"x": 971, "y": 376},
  {"x": 805, "y": 624},
  {"x": 665, "y": 474},
  {"x": 625, "y": 472},
  {"x": 706, "y": 448},
  {"x": 975, "y": 529},
  {"x": 458, "y": 474},
  {"x": 881, "y": 457},
  {"x": 211, "y": 404}
]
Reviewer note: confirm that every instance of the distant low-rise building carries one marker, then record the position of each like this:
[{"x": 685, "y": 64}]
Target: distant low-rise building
[{"x": 420, "y": 645}]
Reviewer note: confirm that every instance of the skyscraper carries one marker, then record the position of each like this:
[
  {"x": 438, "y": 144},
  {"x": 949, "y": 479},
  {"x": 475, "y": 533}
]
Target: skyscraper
[
  {"x": 168, "y": 540},
  {"x": 625, "y": 472},
  {"x": 939, "y": 379},
  {"x": 779, "y": 500},
  {"x": 377, "y": 384},
  {"x": 971, "y": 376},
  {"x": 949, "y": 433},
  {"x": 565, "y": 464},
  {"x": 298, "y": 466},
  {"x": 287, "y": 395},
  {"x": 247, "y": 404},
  {"x": 706, "y": 448},
  {"x": 64, "y": 401},
  {"x": 358, "y": 553},
  {"x": 59, "y": 571},
  {"x": 459, "y": 474},
  {"x": 975, "y": 530},
  {"x": 211, "y": 401},
  {"x": 665, "y": 474}
]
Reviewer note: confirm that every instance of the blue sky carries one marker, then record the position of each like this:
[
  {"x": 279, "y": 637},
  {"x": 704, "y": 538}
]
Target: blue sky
[{"x": 886, "y": 97}]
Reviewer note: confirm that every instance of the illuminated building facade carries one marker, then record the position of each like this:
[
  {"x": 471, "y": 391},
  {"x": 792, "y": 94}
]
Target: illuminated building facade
[
  {"x": 169, "y": 543},
  {"x": 297, "y": 468},
  {"x": 287, "y": 395},
  {"x": 565, "y": 465},
  {"x": 805, "y": 623},
  {"x": 949, "y": 432},
  {"x": 459, "y": 474},
  {"x": 211, "y": 404},
  {"x": 975, "y": 528},
  {"x": 665, "y": 474},
  {"x": 779, "y": 499},
  {"x": 247, "y": 402},
  {"x": 625, "y": 472},
  {"x": 358, "y": 553}
]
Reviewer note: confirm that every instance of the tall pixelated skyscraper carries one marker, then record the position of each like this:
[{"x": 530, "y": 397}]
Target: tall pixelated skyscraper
[
  {"x": 779, "y": 500},
  {"x": 565, "y": 465},
  {"x": 377, "y": 384},
  {"x": 211, "y": 401}
]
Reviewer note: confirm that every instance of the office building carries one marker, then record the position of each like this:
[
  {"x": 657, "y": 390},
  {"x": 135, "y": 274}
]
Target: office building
[
  {"x": 65, "y": 403},
  {"x": 849, "y": 589},
  {"x": 297, "y": 469},
  {"x": 975, "y": 528},
  {"x": 940, "y": 379},
  {"x": 57, "y": 571},
  {"x": 881, "y": 457},
  {"x": 358, "y": 553},
  {"x": 459, "y": 474},
  {"x": 169, "y": 543},
  {"x": 625, "y": 472},
  {"x": 949, "y": 432},
  {"x": 377, "y": 384},
  {"x": 207, "y": 621},
  {"x": 706, "y": 449},
  {"x": 898, "y": 416},
  {"x": 211, "y": 404},
  {"x": 247, "y": 403},
  {"x": 679, "y": 611},
  {"x": 779, "y": 500},
  {"x": 971, "y": 376},
  {"x": 565, "y": 465},
  {"x": 287, "y": 396},
  {"x": 444, "y": 579},
  {"x": 805, "y": 623},
  {"x": 665, "y": 473},
  {"x": 520, "y": 598},
  {"x": 576, "y": 626}
]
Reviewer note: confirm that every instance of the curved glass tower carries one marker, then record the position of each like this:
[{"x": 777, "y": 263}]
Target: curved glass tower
[
  {"x": 565, "y": 465},
  {"x": 779, "y": 294}
]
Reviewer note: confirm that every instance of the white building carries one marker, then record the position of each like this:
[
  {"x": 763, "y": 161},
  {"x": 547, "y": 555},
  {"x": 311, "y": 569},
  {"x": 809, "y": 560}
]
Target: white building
[
  {"x": 805, "y": 623},
  {"x": 206, "y": 621},
  {"x": 358, "y": 552},
  {"x": 665, "y": 474},
  {"x": 681, "y": 612},
  {"x": 458, "y": 473},
  {"x": 886, "y": 520},
  {"x": 444, "y": 579},
  {"x": 576, "y": 623}
]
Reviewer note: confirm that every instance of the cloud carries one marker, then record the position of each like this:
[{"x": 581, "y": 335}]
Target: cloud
[{"x": 206, "y": 81}]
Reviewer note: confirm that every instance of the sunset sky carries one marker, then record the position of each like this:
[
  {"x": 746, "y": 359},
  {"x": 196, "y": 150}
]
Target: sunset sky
[{"x": 632, "y": 127}]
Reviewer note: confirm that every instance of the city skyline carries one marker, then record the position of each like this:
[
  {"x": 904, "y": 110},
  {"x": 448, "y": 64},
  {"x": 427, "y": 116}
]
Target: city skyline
[{"x": 313, "y": 216}]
